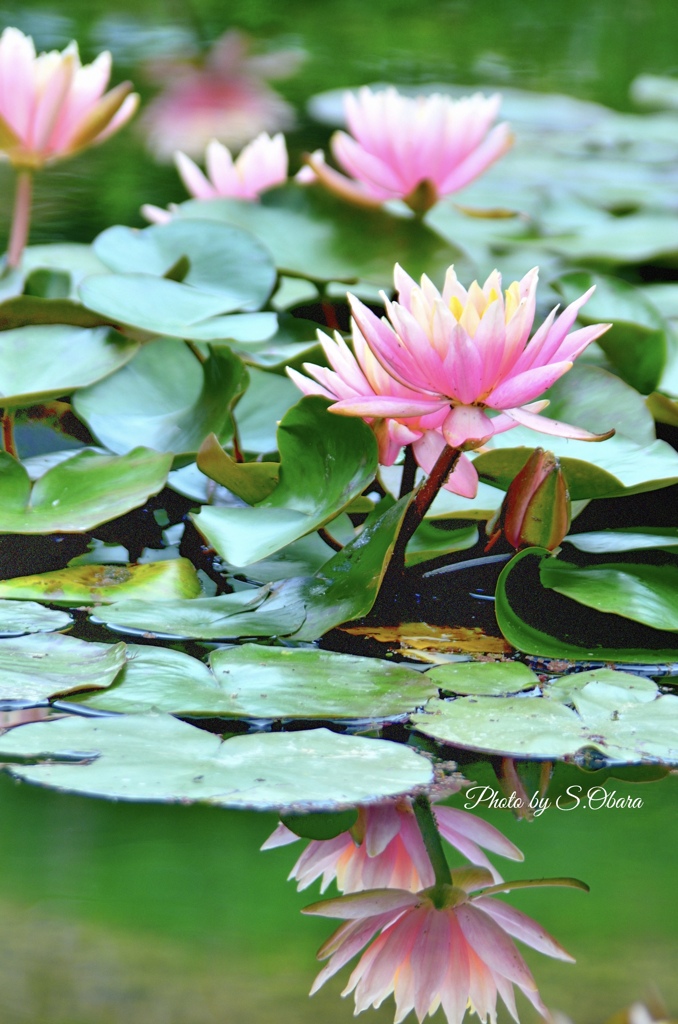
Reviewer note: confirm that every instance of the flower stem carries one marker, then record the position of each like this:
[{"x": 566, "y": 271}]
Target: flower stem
[
  {"x": 8, "y": 433},
  {"x": 418, "y": 508},
  {"x": 409, "y": 472},
  {"x": 432, "y": 841},
  {"x": 21, "y": 218}
]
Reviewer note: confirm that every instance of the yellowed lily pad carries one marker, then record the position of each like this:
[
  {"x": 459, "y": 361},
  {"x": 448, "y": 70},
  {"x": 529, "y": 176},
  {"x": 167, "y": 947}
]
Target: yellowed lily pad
[
  {"x": 434, "y": 644},
  {"x": 102, "y": 584}
]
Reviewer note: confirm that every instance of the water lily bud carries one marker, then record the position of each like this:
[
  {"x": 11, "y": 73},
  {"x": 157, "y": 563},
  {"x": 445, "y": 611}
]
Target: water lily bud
[{"x": 536, "y": 510}]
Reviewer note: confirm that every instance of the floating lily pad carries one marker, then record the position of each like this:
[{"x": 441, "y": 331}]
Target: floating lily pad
[
  {"x": 79, "y": 493},
  {"x": 166, "y": 399},
  {"x": 278, "y": 682},
  {"x": 625, "y": 719},
  {"x": 260, "y": 612},
  {"x": 644, "y": 593},
  {"x": 46, "y": 361},
  {"x": 643, "y": 538},
  {"x": 18, "y": 618},
  {"x": 251, "y": 481},
  {"x": 100, "y": 584},
  {"x": 597, "y": 400},
  {"x": 157, "y": 758},
  {"x": 221, "y": 260},
  {"x": 171, "y": 309},
  {"x": 636, "y": 344},
  {"x": 609, "y": 469},
  {"x": 266, "y": 401},
  {"x": 325, "y": 462},
  {"x": 431, "y": 542},
  {"x": 528, "y": 638},
  {"x": 314, "y": 235},
  {"x": 35, "y": 668},
  {"x": 159, "y": 679},
  {"x": 484, "y": 678}
]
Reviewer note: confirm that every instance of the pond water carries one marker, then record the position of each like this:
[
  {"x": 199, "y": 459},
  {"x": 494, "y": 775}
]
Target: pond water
[{"x": 147, "y": 914}]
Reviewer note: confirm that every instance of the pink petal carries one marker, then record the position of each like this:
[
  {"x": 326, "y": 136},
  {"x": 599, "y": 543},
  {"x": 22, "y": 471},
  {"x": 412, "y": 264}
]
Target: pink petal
[
  {"x": 195, "y": 181},
  {"x": 479, "y": 831},
  {"x": 492, "y": 148},
  {"x": 455, "y": 991},
  {"x": 382, "y": 405},
  {"x": 493, "y": 946},
  {"x": 430, "y": 959},
  {"x": 467, "y": 425},
  {"x": 281, "y": 836},
  {"x": 522, "y": 927},
  {"x": 382, "y": 824},
  {"x": 524, "y": 387},
  {"x": 547, "y": 426}
]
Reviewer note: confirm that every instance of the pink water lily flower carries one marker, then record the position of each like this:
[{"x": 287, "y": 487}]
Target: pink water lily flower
[
  {"x": 457, "y": 955},
  {"x": 385, "y": 848},
  {"x": 261, "y": 165},
  {"x": 413, "y": 148},
  {"x": 452, "y": 368},
  {"x": 51, "y": 106}
]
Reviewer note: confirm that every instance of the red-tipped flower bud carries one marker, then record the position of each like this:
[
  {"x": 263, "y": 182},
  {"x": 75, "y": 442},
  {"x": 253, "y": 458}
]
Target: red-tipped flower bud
[{"x": 536, "y": 509}]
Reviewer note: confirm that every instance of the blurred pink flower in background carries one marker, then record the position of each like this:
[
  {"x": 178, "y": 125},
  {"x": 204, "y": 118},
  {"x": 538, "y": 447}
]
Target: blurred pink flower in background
[
  {"x": 432, "y": 373},
  {"x": 51, "y": 106},
  {"x": 413, "y": 148},
  {"x": 457, "y": 955},
  {"x": 385, "y": 848},
  {"x": 226, "y": 98}
]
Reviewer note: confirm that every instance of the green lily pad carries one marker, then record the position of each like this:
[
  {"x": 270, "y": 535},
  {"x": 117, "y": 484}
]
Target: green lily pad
[
  {"x": 43, "y": 362},
  {"x": 48, "y": 665},
  {"x": 73, "y": 259},
  {"x": 157, "y": 758},
  {"x": 312, "y": 234},
  {"x": 19, "y": 618},
  {"x": 597, "y": 400},
  {"x": 278, "y": 682},
  {"x": 166, "y": 308},
  {"x": 79, "y": 493},
  {"x": 430, "y": 542},
  {"x": 638, "y": 238},
  {"x": 484, "y": 678},
  {"x": 266, "y": 401},
  {"x": 622, "y": 717},
  {"x": 325, "y": 462},
  {"x": 252, "y": 613},
  {"x": 158, "y": 679},
  {"x": 644, "y": 593},
  {"x": 251, "y": 481},
  {"x": 302, "y": 558},
  {"x": 30, "y": 310},
  {"x": 636, "y": 344},
  {"x": 642, "y": 538},
  {"x": 526, "y": 637},
  {"x": 609, "y": 469},
  {"x": 166, "y": 399},
  {"x": 101, "y": 584},
  {"x": 220, "y": 260}
]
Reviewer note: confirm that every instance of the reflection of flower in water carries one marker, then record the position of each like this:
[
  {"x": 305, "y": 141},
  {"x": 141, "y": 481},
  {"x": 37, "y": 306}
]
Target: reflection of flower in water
[
  {"x": 385, "y": 848},
  {"x": 451, "y": 949},
  {"x": 225, "y": 99}
]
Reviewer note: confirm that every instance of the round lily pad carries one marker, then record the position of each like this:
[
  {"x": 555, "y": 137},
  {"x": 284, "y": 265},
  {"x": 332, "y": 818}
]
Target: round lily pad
[
  {"x": 20, "y": 617},
  {"x": 486, "y": 678},
  {"x": 46, "y": 665},
  {"x": 156, "y": 758}
]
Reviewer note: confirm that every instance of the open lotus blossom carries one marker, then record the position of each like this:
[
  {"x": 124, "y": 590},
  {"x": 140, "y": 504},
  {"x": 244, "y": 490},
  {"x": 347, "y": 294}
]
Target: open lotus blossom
[
  {"x": 385, "y": 848},
  {"x": 455, "y": 951},
  {"x": 452, "y": 368},
  {"x": 413, "y": 148},
  {"x": 51, "y": 106}
]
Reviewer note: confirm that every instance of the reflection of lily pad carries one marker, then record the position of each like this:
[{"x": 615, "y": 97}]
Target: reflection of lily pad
[
  {"x": 33, "y": 668},
  {"x": 157, "y": 758},
  {"x": 101, "y": 584},
  {"x": 20, "y": 617},
  {"x": 79, "y": 493},
  {"x": 623, "y": 718}
]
